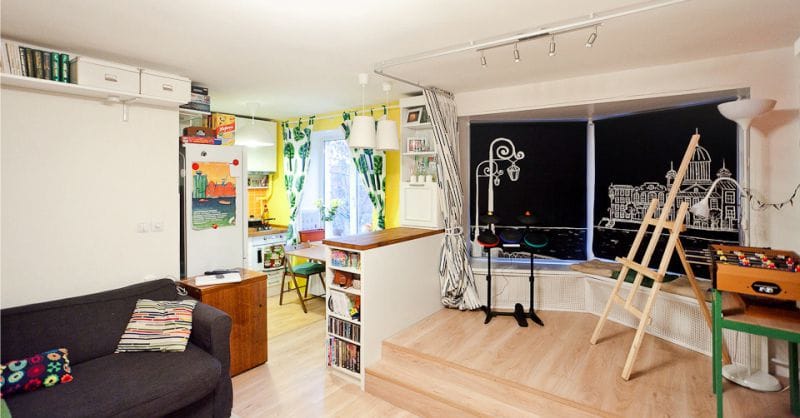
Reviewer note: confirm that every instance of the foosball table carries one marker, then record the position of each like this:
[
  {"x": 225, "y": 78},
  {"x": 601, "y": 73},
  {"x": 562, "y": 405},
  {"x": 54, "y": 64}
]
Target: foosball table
[{"x": 756, "y": 290}]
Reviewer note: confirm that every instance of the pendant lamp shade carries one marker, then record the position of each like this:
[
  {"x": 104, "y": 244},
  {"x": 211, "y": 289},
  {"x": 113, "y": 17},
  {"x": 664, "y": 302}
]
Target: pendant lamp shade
[
  {"x": 362, "y": 133},
  {"x": 387, "y": 139}
]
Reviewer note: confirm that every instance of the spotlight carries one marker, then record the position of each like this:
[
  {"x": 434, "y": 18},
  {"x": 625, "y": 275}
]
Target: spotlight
[
  {"x": 552, "y": 45},
  {"x": 483, "y": 60},
  {"x": 516, "y": 53},
  {"x": 592, "y": 38}
]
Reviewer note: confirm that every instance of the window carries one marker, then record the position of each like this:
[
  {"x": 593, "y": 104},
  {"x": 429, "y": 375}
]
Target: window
[
  {"x": 342, "y": 182},
  {"x": 730, "y": 197},
  {"x": 550, "y": 181},
  {"x": 335, "y": 177}
]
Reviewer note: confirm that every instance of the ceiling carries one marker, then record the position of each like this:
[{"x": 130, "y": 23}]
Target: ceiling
[{"x": 301, "y": 57}]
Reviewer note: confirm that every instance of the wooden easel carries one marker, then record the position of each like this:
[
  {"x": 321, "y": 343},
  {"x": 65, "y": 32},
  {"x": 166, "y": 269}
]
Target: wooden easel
[{"x": 660, "y": 223}]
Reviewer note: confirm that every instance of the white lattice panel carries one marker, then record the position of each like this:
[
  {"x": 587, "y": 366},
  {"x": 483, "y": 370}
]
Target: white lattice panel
[{"x": 553, "y": 291}]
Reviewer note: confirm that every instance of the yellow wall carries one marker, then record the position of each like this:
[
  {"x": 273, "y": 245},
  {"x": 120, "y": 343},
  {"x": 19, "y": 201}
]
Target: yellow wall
[{"x": 279, "y": 204}]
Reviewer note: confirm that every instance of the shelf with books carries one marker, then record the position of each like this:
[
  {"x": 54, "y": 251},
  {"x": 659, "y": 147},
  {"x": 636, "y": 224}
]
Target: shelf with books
[
  {"x": 344, "y": 318},
  {"x": 345, "y": 330},
  {"x": 33, "y": 61}
]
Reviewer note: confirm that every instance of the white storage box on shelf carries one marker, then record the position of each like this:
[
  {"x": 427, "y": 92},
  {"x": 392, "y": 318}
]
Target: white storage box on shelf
[
  {"x": 105, "y": 75},
  {"x": 166, "y": 86}
]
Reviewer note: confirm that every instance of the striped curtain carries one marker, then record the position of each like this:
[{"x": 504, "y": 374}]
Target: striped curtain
[
  {"x": 371, "y": 167},
  {"x": 455, "y": 274},
  {"x": 296, "y": 152}
]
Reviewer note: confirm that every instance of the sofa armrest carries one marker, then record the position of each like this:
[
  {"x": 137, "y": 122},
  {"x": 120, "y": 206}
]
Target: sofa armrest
[{"x": 211, "y": 331}]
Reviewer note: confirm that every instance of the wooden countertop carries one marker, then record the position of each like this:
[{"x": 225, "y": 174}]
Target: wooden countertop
[
  {"x": 247, "y": 275},
  {"x": 252, "y": 232},
  {"x": 382, "y": 238}
]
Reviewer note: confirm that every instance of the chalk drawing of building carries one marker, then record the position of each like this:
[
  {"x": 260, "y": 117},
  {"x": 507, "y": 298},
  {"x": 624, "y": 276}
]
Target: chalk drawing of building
[{"x": 629, "y": 203}]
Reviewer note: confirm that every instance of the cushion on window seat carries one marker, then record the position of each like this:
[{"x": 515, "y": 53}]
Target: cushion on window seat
[
  {"x": 127, "y": 385},
  {"x": 309, "y": 268}
]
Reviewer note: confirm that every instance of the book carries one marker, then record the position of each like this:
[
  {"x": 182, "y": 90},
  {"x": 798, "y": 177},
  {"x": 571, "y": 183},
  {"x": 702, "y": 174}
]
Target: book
[
  {"x": 217, "y": 279},
  {"x": 55, "y": 66},
  {"x": 29, "y": 61},
  {"x": 64, "y": 64},
  {"x": 23, "y": 60},
  {"x": 199, "y": 90},
  {"x": 10, "y": 51},
  {"x": 38, "y": 63},
  {"x": 46, "y": 65}
]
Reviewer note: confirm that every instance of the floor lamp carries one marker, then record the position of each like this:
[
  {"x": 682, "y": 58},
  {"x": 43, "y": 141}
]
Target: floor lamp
[{"x": 743, "y": 112}]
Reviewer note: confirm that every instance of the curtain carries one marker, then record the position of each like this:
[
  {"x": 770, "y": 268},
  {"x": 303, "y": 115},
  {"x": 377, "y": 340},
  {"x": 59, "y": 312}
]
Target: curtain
[
  {"x": 455, "y": 274},
  {"x": 296, "y": 152},
  {"x": 371, "y": 167}
]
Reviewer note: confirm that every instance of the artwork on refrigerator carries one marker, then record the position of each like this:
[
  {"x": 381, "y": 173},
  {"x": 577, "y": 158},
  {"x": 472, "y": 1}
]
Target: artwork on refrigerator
[{"x": 213, "y": 196}]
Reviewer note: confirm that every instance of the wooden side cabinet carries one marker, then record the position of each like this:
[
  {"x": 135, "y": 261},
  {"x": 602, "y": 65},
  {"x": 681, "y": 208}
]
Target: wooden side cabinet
[{"x": 246, "y": 303}]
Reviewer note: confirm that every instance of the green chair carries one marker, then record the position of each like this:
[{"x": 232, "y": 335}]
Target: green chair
[{"x": 305, "y": 270}]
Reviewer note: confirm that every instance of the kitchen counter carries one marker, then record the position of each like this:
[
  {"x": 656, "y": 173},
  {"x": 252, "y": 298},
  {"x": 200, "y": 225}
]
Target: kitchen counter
[
  {"x": 381, "y": 238},
  {"x": 276, "y": 229}
]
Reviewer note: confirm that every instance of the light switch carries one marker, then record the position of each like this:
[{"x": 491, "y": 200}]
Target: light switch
[
  {"x": 143, "y": 227},
  {"x": 158, "y": 226}
]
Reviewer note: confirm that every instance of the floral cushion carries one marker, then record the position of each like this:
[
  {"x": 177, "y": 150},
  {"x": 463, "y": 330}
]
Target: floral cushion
[{"x": 40, "y": 370}]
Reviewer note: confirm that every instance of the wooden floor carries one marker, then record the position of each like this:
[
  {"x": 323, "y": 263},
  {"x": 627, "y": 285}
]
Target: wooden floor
[
  {"x": 296, "y": 383},
  {"x": 289, "y": 316},
  {"x": 558, "y": 363}
]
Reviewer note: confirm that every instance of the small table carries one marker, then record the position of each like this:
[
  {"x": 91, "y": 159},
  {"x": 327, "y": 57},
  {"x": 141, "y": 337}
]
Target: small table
[
  {"x": 315, "y": 252},
  {"x": 246, "y": 303}
]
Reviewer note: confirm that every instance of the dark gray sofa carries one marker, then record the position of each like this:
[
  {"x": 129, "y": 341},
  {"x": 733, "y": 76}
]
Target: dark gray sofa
[{"x": 195, "y": 383}]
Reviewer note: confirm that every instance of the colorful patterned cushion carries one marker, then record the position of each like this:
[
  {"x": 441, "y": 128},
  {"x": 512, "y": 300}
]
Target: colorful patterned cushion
[
  {"x": 158, "y": 326},
  {"x": 44, "y": 369}
]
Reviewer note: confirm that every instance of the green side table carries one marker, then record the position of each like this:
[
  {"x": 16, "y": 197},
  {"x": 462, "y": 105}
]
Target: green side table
[{"x": 776, "y": 328}]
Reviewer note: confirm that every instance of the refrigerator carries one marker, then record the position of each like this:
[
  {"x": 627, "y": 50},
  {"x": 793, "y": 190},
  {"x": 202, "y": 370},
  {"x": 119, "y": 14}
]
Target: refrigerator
[{"x": 213, "y": 196}]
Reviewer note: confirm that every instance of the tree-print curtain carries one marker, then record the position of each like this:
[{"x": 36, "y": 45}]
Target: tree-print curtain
[
  {"x": 296, "y": 152},
  {"x": 371, "y": 167}
]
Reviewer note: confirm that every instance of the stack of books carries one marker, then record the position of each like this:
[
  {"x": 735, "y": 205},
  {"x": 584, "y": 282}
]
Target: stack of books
[
  {"x": 200, "y": 99},
  {"x": 36, "y": 63}
]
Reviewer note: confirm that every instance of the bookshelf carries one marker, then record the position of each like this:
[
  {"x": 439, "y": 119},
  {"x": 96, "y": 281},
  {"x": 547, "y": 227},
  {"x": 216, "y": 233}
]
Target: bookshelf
[
  {"x": 419, "y": 190},
  {"x": 397, "y": 270}
]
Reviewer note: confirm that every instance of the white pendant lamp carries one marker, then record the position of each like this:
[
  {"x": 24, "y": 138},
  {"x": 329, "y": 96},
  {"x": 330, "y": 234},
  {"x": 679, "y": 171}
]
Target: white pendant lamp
[
  {"x": 387, "y": 138},
  {"x": 251, "y": 135},
  {"x": 362, "y": 132}
]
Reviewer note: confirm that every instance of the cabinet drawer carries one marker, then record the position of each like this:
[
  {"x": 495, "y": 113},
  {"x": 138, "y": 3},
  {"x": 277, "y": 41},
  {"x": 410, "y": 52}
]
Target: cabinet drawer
[
  {"x": 105, "y": 75},
  {"x": 166, "y": 86}
]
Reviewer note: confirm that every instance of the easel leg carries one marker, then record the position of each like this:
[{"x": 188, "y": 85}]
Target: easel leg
[
  {"x": 637, "y": 340},
  {"x": 698, "y": 294},
  {"x": 793, "y": 379},
  {"x": 599, "y": 327}
]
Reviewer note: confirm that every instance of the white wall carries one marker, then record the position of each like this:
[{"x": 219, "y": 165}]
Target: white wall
[
  {"x": 775, "y": 156},
  {"x": 76, "y": 181}
]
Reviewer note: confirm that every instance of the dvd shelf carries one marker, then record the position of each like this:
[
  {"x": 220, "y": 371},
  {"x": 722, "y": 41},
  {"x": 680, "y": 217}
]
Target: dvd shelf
[
  {"x": 344, "y": 355},
  {"x": 395, "y": 273},
  {"x": 344, "y": 329}
]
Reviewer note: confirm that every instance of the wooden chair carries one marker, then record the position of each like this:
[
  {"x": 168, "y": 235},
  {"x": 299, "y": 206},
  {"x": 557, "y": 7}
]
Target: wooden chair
[
  {"x": 310, "y": 235},
  {"x": 304, "y": 270}
]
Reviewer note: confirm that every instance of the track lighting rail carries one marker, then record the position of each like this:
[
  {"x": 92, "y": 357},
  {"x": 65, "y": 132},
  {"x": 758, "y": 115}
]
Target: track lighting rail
[{"x": 593, "y": 20}]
